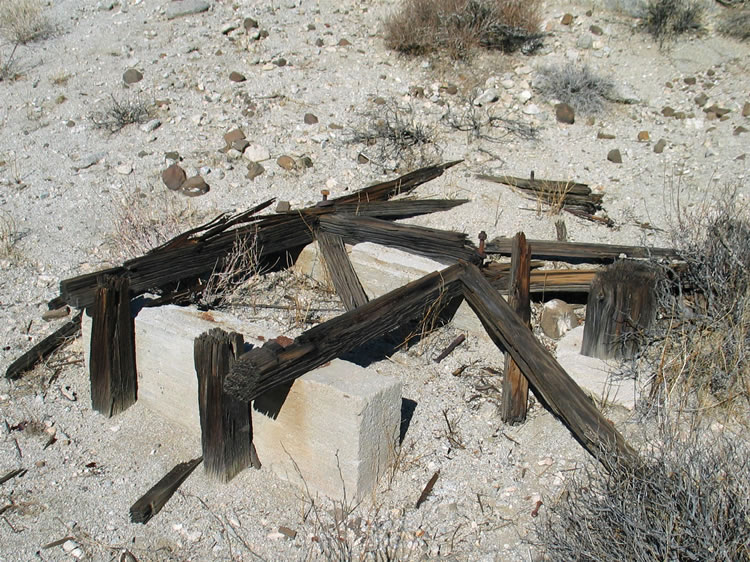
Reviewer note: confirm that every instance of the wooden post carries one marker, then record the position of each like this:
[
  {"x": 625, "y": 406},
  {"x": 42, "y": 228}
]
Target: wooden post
[
  {"x": 226, "y": 426},
  {"x": 112, "y": 371},
  {"x": 515, "y": 385},
  {"x": 621, "y": 306},
  {"x": 341, "y": 271}
]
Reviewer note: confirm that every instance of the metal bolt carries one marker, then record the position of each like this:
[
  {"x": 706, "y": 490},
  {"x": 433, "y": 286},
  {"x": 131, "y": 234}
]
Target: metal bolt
[
  {"x": 325, "y": 193},
  {"x": 482, "y": 238}
]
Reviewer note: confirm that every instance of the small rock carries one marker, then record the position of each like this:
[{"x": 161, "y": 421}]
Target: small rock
[
  {"x": 124, "y": 169},
  {"x": 232, "y": 136},
  {"x": 249, "y": 23},
  {"x": 335, "y": 126},
  {"x": 236, "y": 77},
  {"x": 310, "y": 119},
  {"x": 131, "y": 76},
  {"x": 746, "y": 109},
  {"x": 605, "y": 136},
  {"x": 701, "y": 99},
  {"x": 256, "y": 153},
  {"x": 194, "y": 186},
  {"x": 567, "y": 19},
  {"x": 585, "y": 42},
  {"x": 565, "y": 113},
  {"x": 531, "y": 109},
  {"x": 319, "y": 42},
  {"x": 173, "y": 177},
  {"x": 186, "y": 8},
  {"x": 379, "y": 101},
  {"x": 290, "y": 533},
  {"x": 596, "y": 30},
  {"x": 667, "y": 111},
  {"x": 660, "y": 146},
  {"x": 70, "y": 123},
  {"x": 507, "y": 83},
  {"x": 362, "y": 159},
  {"x": 343, "y": 43},
  {"x": 416, "y": 91},
  {"x": 254, "y": 169},
  {"x": 557, "y": 318},
  {"x": 281, "y": 61},
  {"x": 283, "y": 207},
  {"x": 172, "y": 155},
  {"x": 240, "y": 145},
  {"x": 716, "y": 110},
  {"x": 490, "y": 95},
  {"x": 150, "y": 126},
  {"x": 739, "y": 130},
  {"x": 450, "y": 89},
  {"x": 304, "y": 162},
  {"x": 69, "y": 546},
  {"x": 614, "y": 156},
  {"x": 689, "y": 80},
  {"x": 643, "y": 136},
  {"x": 228, "y": 28},
  {"x": 286, "y": 162},
  {"x": 524, "y": 96},
  {"x": 89, "y": 160}
]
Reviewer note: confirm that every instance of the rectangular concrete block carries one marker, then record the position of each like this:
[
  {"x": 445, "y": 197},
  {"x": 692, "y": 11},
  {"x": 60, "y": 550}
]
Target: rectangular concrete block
[
  {"x": 334, "y": 430},
  {"x": 381, "y": 269}
]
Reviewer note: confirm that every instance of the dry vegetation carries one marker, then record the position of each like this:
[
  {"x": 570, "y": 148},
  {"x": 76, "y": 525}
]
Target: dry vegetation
[
  {"x": 7, "y": 234},
  {"x": 23, "y": 21},
  {"x": 665, "y": 19},
  {"x": 578, "y": 86},
  {"x": 736, "y": 24},
  {"x": 118, "y": 114},
  {"x": 458, "y": 27}
]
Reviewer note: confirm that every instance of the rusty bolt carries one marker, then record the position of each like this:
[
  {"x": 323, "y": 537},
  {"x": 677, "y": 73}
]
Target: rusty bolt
[
  {"x": 325, "y": 193},
  {"x": 482, "y": 238}
]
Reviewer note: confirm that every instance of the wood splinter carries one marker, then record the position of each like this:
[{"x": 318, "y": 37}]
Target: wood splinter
[
  {"x": 448, "y": 350},
  {"x": 152, "y": 501},
  {"x": 427, "y": 489}
]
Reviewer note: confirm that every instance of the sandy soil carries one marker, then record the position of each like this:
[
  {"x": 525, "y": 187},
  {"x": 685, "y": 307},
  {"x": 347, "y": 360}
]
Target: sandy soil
[{"x": 67, "y": 187}]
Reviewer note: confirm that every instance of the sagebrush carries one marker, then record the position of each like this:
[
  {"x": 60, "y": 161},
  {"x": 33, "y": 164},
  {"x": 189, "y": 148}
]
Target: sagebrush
[
  {"x": 579, "y": 86},
  {"x": 736, "y": 23},
  {"x": 118, "y": 114},
  {"x": 685, "y": 500},
  {"x": 23, "y": 21},
  {"x": 665, "y": 19},
  {"x": 458, "y": 27}
]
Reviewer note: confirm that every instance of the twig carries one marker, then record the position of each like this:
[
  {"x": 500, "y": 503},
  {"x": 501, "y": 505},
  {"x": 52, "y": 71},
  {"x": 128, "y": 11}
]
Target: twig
[
  {"x": 427, "y": 489},
  {"x": 447, "y": 351},
  {"x": 12, "y": 474}
]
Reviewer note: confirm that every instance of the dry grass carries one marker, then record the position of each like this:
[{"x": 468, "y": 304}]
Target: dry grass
[
  {"x": 736, "y": 24},
  {"x": 458, "y": 27},
  {"x": 686, "y": 500},
  {"x": 235, "y": 276},
  {"x": 8, "y": 234},
  {"x": 485, "y": 123},
  {"x": 118, "y": 114},
  {"x": 23, "y": 21},
  {"x": 666, "y": 19},
  {"x": 578, "y": 86}
]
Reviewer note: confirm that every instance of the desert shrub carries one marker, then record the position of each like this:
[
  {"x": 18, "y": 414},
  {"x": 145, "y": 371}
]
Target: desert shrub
[
  {"x": 665, "y": 19},
  {"x": 8, "y": 233},
  {"x": 686, "y": 500},
  {"x": 736, "y": 24},
  {"x": 118, "y": 114},
  {"x": 633, "y": 8},
  {"x": 396, "y": 139},
  {"x": 23, "y": 21},
  {"x": 457, "y": 27},
  {"x": 486, "y": 122},
  {"x": 578, "y": 86}
]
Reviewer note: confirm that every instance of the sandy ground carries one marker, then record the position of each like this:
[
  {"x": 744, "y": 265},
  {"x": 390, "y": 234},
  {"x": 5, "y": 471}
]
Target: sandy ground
[{"x": 66, "y": 184}]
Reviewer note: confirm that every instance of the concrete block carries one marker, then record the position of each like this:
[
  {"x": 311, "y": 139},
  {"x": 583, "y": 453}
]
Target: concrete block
[
  {"x": 381, "y": 269},
  {"x": 334, "y": 430},
  {"x": 595, "y": 376},
  {"x": 164, "y": 336}
]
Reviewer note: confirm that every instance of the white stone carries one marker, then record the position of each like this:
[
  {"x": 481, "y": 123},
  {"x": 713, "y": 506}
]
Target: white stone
[
  {"x": 490, "y": 95},
  {"x": 124, "y": 169},
  {"x": 334, "y": 430},
  {"x": 531, "y": 109},
  {"x": 150, "y": 126},
  {"x": 595, "y": 376},
  {"x": 524, "y": 96},
  {"x": 557, "y": 318},
  {"x": 507, "y": 84},
  {"x": 256, "y": 153}
]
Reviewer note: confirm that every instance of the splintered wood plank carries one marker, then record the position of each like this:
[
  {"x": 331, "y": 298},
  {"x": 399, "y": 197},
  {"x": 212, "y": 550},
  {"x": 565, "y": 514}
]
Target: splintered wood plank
[
  {"x": 515, "y": 385},
  {"x": 442, "y": 245},
  {"x": 341, "y": 271},
  {"x": 112, "y": 369},
  {"x": 262, "y": 369},
  {"x": 575, "y": 252},
  {"x": 545, "y": 281},
  {"x": 159, "y": 494},
  {"x": 226, "y": 426},
  {"x": 45, "y": 348},
  {"x": 395, "y": 210},
  {"x": 549, "y": 381}
]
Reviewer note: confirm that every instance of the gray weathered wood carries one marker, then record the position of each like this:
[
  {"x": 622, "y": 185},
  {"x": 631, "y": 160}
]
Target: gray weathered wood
[
  {"x": 576, "y": 252},
  {"x": 152, "y": 501},
  {"x": 340, "y": 270}
]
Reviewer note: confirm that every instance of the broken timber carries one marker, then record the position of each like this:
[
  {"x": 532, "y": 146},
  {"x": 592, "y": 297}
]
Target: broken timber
[
  {"x": 278, "y": 238},
  {"x": 262, "y": 369},
  {"x": 152, "y": 501},
  {"x": 45, "y": 348},
  {"x": 112, "y": 369},
  {"x": 340, "y": 270},
  {"x": 226, "y": 427},
  {"x": 515, "y": 385}
]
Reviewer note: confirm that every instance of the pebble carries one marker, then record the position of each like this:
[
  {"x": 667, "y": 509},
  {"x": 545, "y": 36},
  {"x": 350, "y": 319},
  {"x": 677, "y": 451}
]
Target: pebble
[
  {"x": 131, "y": 76},
  {"x": 256, "y": 153},
  {"x": 567, "y": 19},
  {"x": 194, "y": 186},
  {"x": 249, "y": 23},
  {"x": 524, "y": 96},
  {"x": 507, "y": 83},
  {"x": 531, "y": 109},
  {"x": 282, "y": 207},
  {"x": 69, "y": 546},
  {"x": 659, "y": 146},
  {"x": 89, "y": 160},
  {"x": 254, "y": 169},
  {"x": 310, "y": 119},
  {"x": 746, "y": 109},
  {"x": 701, "y": 99},
  {"x": 490, "y": 95},
  {"x": 286, "y": 162},
  {"x": 237, "y": 77},
  {"x": 124, "y": 169},
  {"x": 150, "y": 126},
  {"x": 643, "y": 136},
  {"x": 186, "y": 8},
  {"x": 614, "y": 156},
  {"x": 585, "y": 42},
  {"x": 173, "y": 177},
  {"x": 739, "y": 130},
  {"x": 232, "y": 136},
  {"x": 557, "y": 318},
  {"x": 565, "y": 113},
  {"x": 596, "y": 30}
]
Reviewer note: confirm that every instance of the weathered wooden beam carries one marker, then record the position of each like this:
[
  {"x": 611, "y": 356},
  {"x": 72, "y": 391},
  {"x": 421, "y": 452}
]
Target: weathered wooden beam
[
  {"x": 396, "y": 210},
  {"x": 341, "y": 271},
  {"x": 112, "y": 371},
  {"x": 262, "y": 369},
  {"x": 544, "y": 281},
  {"x": 159, "y": 494},
  {"x": 226, "y": 427},
  {"x": 576, "y": 252},
  {"x": 549, "y": 381},
  {"x": 442, "y": 245},
  {"x": 515, "y": 385},
  {"x": 621, "y": 308},
  {"x": 44, "y": 348}
]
